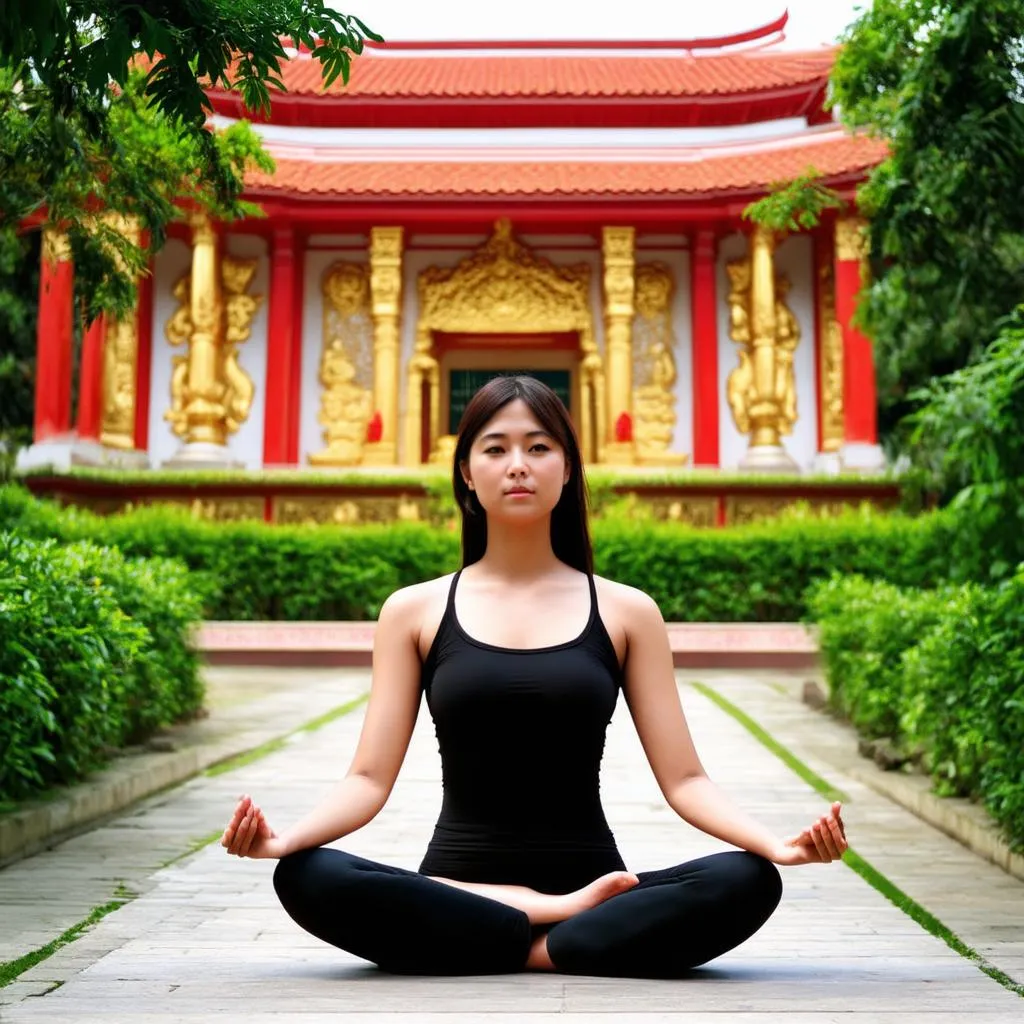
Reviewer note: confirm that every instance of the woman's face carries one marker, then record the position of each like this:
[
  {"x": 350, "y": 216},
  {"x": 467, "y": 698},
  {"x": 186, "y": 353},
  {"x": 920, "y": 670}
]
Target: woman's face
[{"x": 515, "y": 467}]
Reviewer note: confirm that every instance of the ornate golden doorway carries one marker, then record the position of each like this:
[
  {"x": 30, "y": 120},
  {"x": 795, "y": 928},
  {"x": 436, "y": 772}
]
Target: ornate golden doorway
[{"x": 501, "y": 300}]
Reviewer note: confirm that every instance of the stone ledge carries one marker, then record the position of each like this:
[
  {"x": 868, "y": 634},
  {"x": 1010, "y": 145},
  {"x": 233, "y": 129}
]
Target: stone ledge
[
  {"x": 34, "y": 827},
  {"x": 966, "y": 822},
  {"x": 694, "y": 644},
  {"x": 40, "y": 824}
]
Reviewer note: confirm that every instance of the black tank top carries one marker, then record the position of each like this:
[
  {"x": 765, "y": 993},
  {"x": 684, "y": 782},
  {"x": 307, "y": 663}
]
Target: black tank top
[{"x": 521, "y": 734}]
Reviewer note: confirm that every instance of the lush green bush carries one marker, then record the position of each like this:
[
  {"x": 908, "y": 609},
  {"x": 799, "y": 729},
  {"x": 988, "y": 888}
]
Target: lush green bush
[
  {"x": 94, "y": 653},
  {"x": 865, "y": 628},
  {"x": 256, "y": 571},
  {"x": 940, "y": 671},
  {"x": 760, "y": 573}
]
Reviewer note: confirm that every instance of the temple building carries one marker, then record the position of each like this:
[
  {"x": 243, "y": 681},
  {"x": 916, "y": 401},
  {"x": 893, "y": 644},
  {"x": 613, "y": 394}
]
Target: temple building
[{"x": 573, "y": 211}]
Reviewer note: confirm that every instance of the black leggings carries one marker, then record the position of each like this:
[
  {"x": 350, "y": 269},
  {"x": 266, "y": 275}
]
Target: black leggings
[{"x": 407, "y": 923}]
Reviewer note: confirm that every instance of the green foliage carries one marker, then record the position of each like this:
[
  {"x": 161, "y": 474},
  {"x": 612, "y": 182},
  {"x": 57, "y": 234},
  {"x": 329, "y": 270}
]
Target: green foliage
[
  {"x": 19, "y": 287},
  {"x": 94, "y": 653},
  {"x": 940, "y": 671},
  {"x": 102, "y": 107},
  {"x": 865, "y": 627},
  {"x": 137, "y": 161},
  {"x": 258, "y": 571},
  {"x": 795, "y": 205},
  {"x": 760, "y": 573},
  {"x": 967, "y": 435},
  {"x": 940, "y": 81}
]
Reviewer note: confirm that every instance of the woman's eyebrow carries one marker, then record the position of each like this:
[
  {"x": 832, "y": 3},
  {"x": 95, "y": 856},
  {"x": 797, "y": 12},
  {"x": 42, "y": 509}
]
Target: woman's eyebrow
[{"x": 502, "y": 437}]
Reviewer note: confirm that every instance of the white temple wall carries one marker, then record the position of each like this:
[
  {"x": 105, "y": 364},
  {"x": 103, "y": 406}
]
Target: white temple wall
[
  {"x": 169, "y": 264},
  {"x": 321, "y": 252},
  {"x": 677, "y": 258},
  {"x": 795, "y": 258},
  {"x": 246, "y": 444}
]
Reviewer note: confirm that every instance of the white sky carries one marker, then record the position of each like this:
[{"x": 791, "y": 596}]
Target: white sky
[{"x": 811, "y": 22}]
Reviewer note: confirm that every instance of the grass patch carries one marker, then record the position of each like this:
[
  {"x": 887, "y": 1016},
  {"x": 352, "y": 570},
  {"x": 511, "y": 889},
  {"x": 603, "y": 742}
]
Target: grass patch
[
  {"x": 274, "y": 745},
  {"x": 815, "y": 781},
  {"x": 11, "y": 969},
  {"x": 194, "y": 846},
  {"x": 927, "y": 920}
]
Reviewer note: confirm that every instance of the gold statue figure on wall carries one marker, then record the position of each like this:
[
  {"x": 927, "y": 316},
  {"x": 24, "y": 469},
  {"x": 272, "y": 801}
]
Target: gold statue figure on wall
[
  {"x": 211, "y": 394},
  {"x": 654, "y": 367},
  {"x": 346, "y": 367},
  {"x": 740, "y": 384}
]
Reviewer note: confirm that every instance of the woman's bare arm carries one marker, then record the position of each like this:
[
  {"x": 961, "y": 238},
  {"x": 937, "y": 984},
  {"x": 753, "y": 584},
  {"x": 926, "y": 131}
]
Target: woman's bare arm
[
  {"x": 387, "y": 729},
  {"x": 653, "y": 699}
]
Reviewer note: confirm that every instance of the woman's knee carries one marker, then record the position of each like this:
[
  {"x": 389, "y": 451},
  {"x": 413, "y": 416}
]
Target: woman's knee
[{"x": 753, "y": 878}]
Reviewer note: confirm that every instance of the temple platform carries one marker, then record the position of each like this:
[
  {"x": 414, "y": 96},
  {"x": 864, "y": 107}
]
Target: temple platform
[{"x": 695, "y": 497}]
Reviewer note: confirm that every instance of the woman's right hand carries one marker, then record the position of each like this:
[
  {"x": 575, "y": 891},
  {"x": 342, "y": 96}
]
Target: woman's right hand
[{"x": 249, "y": 835}]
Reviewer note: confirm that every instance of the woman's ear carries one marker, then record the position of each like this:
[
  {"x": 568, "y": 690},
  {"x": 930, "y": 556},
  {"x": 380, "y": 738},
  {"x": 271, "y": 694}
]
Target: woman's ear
[{"x": 464, "y": 470}]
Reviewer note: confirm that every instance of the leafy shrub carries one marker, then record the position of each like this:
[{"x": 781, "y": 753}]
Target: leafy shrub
[
  {"x": 866, "y": 626},
  {"x": 94, "y": 653},
  {"x": 257, "y": 571},
  {"x": 943, "y": 673},
  {"x": 760, "y": 573}
]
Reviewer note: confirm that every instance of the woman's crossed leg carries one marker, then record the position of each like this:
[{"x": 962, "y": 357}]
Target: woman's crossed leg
[{"x": 656, "y": 924}]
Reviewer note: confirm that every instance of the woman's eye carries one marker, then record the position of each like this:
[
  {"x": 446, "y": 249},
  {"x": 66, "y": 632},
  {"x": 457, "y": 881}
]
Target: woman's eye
[
  {"x": 540, "y": 448},
  {"x": 493, "y": 450}
]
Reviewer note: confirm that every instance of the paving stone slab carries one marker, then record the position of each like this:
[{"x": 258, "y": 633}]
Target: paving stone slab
[{"x": 207, "y": 937}]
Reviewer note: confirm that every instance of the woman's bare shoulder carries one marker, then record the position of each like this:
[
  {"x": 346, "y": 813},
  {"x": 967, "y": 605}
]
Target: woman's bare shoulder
[
  {"x": 417, "y": 597},
  {"x": 627, "y": 601}
]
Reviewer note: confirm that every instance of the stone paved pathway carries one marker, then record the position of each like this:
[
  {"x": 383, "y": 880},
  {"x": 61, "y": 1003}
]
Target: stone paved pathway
[{"x": 206, "y": 938}]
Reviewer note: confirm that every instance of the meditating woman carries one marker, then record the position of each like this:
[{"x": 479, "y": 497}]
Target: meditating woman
[{"x": 521, "y": 655}]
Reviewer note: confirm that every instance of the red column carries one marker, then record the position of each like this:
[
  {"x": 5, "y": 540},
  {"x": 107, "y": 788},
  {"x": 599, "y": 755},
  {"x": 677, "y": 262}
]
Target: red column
[
  {"x": 859, "y": 397},
  {"x": 280, "y": 344},
  {"x": 298, "y": 307},
  {"x": 90, "y": 381},
  {"x": 704, "y": 314},
  {"x": 54, "y": 339}
]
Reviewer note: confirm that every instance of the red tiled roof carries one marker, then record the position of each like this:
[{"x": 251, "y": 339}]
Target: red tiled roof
[
  {"x": 832, "y": 156},
  {"x": 413, "y": 75}
]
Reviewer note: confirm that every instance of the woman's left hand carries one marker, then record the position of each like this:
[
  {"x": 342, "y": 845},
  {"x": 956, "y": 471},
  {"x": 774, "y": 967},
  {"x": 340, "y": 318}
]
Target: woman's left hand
[{"x": 821, "y": 843}]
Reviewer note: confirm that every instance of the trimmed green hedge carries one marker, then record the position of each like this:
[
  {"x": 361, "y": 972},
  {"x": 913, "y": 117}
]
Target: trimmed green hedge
[
  {"x": 253, "y": 571},
  {"x": 94, "y": 654},
  {"x": 942, "y": 673}
]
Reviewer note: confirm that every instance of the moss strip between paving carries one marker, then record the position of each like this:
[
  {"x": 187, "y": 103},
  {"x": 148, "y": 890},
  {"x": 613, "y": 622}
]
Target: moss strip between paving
[{"x": 853, "y": 860}]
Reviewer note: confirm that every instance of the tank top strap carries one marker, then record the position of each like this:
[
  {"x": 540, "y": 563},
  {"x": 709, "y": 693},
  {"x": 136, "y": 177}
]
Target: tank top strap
[{"x": 449, "y": 608}]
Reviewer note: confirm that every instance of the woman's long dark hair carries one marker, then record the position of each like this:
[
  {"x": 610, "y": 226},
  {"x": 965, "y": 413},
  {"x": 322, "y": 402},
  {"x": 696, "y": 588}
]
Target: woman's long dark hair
[{"x": 570, "y": 532}]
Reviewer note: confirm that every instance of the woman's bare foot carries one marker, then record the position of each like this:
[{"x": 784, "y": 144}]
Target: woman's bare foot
[
  {"x": 542, "y": 908},
  {"x": 601, "y": 889}
]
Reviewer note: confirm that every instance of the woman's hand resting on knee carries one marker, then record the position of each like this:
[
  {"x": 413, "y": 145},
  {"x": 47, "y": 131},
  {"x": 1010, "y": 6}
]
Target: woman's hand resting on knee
[
  {"x": 249, "y": 835},
  {"x": 823, "y": 842}
]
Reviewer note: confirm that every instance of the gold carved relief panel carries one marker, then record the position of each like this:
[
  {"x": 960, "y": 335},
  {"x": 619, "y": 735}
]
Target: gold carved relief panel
[
  {"x": 346, "y": 365},
  {"x": 654, "y": 366}
]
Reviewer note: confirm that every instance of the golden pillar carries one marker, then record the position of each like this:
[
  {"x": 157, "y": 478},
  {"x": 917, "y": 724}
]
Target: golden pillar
[
  {"x": 619, "y": 287},
  {"x": 120, "y": 362},
  {"x": 386, "y": 300},
  {"x": 766, "y": 411},
  {"x": 199, "y": 412}
]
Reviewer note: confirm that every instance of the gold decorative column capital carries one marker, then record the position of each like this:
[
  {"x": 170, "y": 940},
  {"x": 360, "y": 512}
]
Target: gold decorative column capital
[
  {"x": 851, "y": 239},
  {"x": 56, "y": 246},
  {"x": 203, "y": 232},
  {"x": 386, "y": 308}
]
